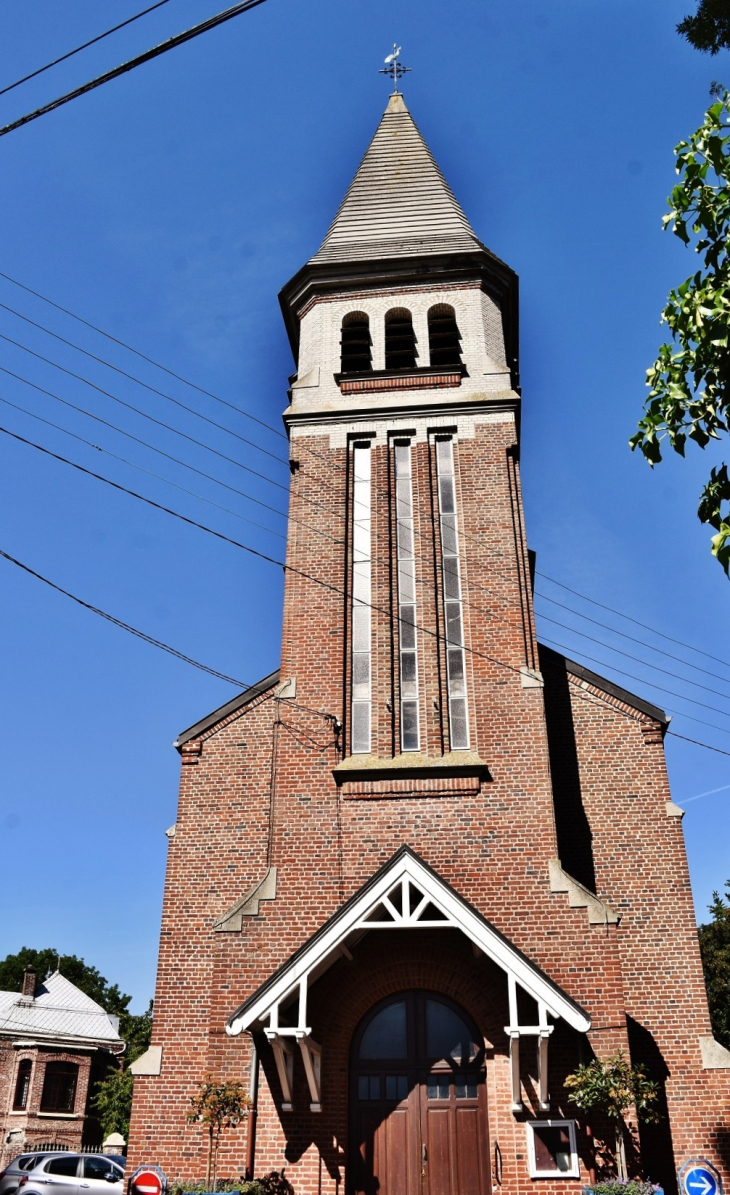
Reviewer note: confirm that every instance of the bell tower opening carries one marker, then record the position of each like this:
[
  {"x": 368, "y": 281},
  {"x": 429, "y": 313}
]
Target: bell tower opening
[
  {"x": 355, "y": 342},
  {"x": 400, "y": 340},
  {"x": 444, "y": 338}
]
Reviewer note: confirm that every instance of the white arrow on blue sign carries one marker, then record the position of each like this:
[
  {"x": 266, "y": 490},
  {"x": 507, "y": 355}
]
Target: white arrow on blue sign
[{"x": 700, "y": 1178}]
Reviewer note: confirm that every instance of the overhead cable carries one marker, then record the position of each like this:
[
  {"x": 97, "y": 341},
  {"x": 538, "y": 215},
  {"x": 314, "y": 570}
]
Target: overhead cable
[
  {"x": 629, "y": 618},
  {"x": 642, "y": 680},
  {"x": 144, "y": 414},
  {"x": 289, "y": 568},
  {"x": 142, "y": 356},
  {"x": 299, "y": 573},
  {"x": 159, "y": 451},
  {"x": 149, "y": 639},
  {"x": 178, "y": 40},
  {"x": 149, "y": 472},
  {"x": 153, "y": 389},
  {"x": 642, "y": 642},
  {"x": 124, "y": 626},
  {"x": 85, "y": 46},
  {"x": 269, "y": 427},
  {"x": 697, "y": 743},
  {"x": 630, "y": 656}
]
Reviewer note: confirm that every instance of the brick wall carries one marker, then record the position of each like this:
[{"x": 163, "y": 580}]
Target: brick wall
[{"x": 35, "y": 1125}]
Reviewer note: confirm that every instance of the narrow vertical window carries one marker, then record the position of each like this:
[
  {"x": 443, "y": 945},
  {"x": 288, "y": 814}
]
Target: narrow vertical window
[
  {"x": 455, "y": 670},
  {"x": 361, "y": 586},
  {"x": 409, "y": 722},
  {"x": 22, "y": 1086},
  {"x": 356, "y": 354}
]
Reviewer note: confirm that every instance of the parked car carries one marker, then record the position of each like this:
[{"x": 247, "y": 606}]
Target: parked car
[
  {"x": 65, "y": 1174},
  {"x": 10, "y": 1177}
]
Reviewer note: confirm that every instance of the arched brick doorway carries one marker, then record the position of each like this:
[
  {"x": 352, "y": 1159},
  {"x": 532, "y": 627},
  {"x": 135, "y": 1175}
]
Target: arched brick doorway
[{"x": 418, "y": 1100}]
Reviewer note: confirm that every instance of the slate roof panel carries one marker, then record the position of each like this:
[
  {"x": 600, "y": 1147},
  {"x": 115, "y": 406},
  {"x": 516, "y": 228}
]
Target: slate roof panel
[
  {"x": 59, "y": 1009},
  {"x": 399, "y": 203}
]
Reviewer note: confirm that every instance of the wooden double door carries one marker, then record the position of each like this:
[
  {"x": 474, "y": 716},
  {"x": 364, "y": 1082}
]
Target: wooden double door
[{"x": 418, "y": 1109}]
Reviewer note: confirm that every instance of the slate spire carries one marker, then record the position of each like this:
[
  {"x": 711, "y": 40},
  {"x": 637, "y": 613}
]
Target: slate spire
[{"x": 399, "y": 203}]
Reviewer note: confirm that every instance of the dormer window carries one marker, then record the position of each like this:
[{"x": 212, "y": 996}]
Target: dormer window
[
  {"x": 444, "y": 338},
  {"x": 400, "y": 340},
  {"x": 355, "y": 343}
]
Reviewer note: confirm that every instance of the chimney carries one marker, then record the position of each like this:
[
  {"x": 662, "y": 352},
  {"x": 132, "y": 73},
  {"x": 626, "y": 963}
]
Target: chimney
[{"x": 29, "y": 982}]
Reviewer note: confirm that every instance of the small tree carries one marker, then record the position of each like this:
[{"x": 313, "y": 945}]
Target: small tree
[
  {"x": 613, "y": 1087},
  {"x": 112, "y": 1098},
  {"x": 689, "y": 395},
  {"x": 218, "y": 1106},
  {"x": 715, "y": 948}
]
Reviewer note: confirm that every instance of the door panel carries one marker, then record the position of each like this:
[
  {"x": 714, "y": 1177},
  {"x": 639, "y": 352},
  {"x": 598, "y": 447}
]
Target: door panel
[
  {"x": 468, "y": 1151},
  {"x": 386, "y": 1144},
  {"x": 437, "y": 1170}
]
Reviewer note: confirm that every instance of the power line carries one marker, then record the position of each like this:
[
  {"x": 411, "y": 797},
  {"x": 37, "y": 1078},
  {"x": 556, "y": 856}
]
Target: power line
[
  {"x": 142, "y": 356},
  {"x": 680, "y": 713},
  {"x": 632, "y": 638},
  {"x": 178, "y": 40},
  {"x": 271, "y": 560},
  {"x": 139, "y": 382},
  {"x": 275, "y": 431},
  {"x": 149, "y": 472},
  {"x": 697, "y": 743},
  {"x": 487, "y": 614},
  {"x": 234, "y": 542},
  {"x": 465, "y": 535},
  {"x": 124, "y": 626},
  {"x": 636, "y": 659},
  {"x": 173, "y": 651},
  {"x": 85, "y": 46},
  {"x": 629, "y": 618},
  {"x": 308, "y": 576},
  {"x": 425, "y": 583},
  {"x": 144, "y": 414},
  {"x": 159, "y": 451}
]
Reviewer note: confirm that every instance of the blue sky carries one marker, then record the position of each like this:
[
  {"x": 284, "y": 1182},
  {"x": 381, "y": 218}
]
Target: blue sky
[{"x": 169, "y": 207}]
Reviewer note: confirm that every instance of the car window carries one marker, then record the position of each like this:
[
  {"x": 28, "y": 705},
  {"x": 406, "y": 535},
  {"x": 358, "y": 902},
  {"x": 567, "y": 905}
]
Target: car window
[
  {"x": 25, "y": 1162},
  {"x": 99, "y": 1167},
  {"x": 65, "y": 1166}
]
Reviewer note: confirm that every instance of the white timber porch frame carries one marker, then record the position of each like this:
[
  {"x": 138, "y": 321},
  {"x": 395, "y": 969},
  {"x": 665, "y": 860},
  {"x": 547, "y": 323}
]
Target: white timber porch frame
[{"x": 405, "y": 894}]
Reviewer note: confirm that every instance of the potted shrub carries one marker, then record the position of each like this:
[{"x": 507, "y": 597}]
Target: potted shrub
[{"x": 614, "y": 1087}]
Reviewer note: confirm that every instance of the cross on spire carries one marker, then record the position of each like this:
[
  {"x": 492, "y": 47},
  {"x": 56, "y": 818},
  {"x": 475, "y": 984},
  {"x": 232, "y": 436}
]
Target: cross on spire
[{"x": 393, "y": 68}]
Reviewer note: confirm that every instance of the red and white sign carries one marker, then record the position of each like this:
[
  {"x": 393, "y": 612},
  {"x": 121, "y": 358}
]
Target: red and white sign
[{"x": 147, "y": 1180}]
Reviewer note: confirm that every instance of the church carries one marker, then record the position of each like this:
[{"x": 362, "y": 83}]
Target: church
[{"x": 427, "y": 867}]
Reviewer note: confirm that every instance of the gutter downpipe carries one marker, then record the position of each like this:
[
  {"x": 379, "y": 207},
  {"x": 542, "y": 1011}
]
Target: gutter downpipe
[{"x": 253, "y": 1095}]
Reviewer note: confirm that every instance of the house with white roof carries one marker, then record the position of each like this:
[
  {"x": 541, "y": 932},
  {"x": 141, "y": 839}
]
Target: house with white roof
[{"x": 55, "y": 1042}]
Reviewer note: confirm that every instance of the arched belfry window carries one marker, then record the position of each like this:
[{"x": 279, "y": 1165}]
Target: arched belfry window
[
  {"x": 400, "y": 340},
  {"x": 444, "y": 338},
  {"x": 355, "y": 343}
]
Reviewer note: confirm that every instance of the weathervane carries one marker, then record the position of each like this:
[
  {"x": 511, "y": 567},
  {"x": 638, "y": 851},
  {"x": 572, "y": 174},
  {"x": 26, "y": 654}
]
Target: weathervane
[{"x": 393, "y": 68}]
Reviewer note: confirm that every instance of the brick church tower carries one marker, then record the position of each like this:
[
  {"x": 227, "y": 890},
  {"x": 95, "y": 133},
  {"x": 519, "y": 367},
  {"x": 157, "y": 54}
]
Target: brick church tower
[{"x": 427, "y": 867}]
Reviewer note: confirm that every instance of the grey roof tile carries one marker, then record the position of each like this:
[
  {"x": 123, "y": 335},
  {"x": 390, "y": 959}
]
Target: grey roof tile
[{"x": 399, "y": 203}]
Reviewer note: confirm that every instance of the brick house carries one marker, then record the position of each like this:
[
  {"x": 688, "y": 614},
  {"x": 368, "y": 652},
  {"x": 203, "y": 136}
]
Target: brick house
[
  {"x": 424, "y": 869},
  {"x": 55, "y": 1041}
]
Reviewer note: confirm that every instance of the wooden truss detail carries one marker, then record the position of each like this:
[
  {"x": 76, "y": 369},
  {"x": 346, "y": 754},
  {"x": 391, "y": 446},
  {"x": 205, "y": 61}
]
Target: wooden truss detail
[{"x": 405, "y": 894}]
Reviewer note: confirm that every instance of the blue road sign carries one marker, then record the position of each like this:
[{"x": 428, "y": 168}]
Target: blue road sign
[{"x": 698, "y": 1177}]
